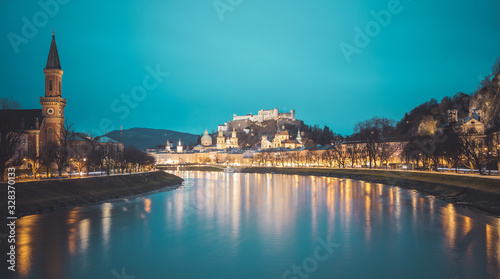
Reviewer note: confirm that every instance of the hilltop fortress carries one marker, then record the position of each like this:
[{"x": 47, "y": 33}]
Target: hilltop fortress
[
  {"x": 240, "y": 123},
  {"x": 263, "y": 115}
]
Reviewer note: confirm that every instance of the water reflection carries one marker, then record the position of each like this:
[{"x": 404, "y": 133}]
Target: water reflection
[
  {"x": 450, "y": 224},
  {"x": 24, "y": 241},
  {"x": 106, "y": 223},
  {"x": 493, "y": 245},
  {"x": 219, "y": 222}
]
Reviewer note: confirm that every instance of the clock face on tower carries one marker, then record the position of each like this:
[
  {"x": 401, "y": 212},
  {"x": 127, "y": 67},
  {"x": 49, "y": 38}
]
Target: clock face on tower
[{"x": 50, "y": 111}]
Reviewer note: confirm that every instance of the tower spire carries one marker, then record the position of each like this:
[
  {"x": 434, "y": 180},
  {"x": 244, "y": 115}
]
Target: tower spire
[{"x": 53, "y": 59}]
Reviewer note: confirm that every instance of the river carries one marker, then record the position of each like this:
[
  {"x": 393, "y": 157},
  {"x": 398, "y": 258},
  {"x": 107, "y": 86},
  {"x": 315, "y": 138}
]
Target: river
[{"x": 237, "y": 225}]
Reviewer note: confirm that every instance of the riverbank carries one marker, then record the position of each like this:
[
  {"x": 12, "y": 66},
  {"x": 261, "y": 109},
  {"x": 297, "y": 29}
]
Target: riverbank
[
  {"x": 43, "y": 196},
  {"x": 479, "y": 193}
]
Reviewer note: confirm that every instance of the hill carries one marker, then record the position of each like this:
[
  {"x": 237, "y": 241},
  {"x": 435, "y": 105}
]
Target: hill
[
  {"x": 143, "y": 138},
  {"x": 426, "y": 118}
]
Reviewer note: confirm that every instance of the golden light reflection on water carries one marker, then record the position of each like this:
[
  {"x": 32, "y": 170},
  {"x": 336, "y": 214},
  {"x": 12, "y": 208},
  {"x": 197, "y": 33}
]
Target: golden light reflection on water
[
  {"x": 414, "y": 204},
  {"x": 71, "y": 220},
  {"x": 84, "y": 232},
  {"x": 331, "y": 204},
  {"x": 493, "y": 246},
  {"x": 24, "y": 242},
  {"x": 73, "y": 216},
  {"x": 147, "y": 205},
  {"x": 450, "y": 224},
  {"x": 106, "y": 222},
  {"x": 368, "y": 230},
  {"x": 314, "y": 214},
  {"x": 72, "y": 241},
  {"x": 236, "y": 207},
  {"x": 467, "y": 225},
  {"x": 347, "y": 203},
  {"x": 391, "y": 201}
]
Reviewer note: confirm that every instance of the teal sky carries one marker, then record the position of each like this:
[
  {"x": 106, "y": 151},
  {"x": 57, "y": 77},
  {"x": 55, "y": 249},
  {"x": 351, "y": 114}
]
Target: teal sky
[{"x": 263, "y": 54}]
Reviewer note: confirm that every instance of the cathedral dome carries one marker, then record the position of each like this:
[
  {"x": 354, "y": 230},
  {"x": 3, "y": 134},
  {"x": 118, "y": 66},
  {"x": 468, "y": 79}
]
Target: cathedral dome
[{"x": 206, "y": 139}]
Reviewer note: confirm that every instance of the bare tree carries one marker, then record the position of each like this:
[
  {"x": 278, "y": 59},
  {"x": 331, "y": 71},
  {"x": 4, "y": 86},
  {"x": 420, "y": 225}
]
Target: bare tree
[
  {"x": 474, "y": 150},
  {"x": 10, "y": 133},
  {"x": 385, "y": 150},
  {"x": 48, "y": 156},
  {"x": 374, "y": 131},
  {"x": 63, "y": 151}
]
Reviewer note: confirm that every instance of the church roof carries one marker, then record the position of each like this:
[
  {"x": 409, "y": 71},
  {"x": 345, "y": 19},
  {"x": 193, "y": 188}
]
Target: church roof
[
  {"x": 470, "y": 119},
  {"x": 206, "y": 136},
  {"x": 24, "y": 117},
  {"x": 53, "y": 59}
]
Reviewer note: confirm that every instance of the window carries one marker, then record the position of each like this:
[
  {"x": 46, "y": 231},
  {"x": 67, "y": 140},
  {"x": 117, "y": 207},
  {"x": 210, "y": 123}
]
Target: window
[
  {"x": 60, "y": 88},
  {"x": 50, "y": 85}
]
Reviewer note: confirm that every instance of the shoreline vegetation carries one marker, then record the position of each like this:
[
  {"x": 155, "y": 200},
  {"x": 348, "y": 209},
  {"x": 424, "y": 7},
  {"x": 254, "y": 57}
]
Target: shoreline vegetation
[
  {"x": 476, "y": 192},
  {"x": 43, "y": 196}
]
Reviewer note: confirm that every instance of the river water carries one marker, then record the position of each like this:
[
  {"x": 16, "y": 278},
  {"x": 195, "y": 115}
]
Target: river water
[{"x": 236, "y": 225}]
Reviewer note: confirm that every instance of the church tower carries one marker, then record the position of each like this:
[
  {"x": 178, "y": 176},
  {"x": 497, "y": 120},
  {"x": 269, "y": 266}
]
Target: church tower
[
  {"x": 180, "y": 147},
  {"x": 298, "y": 138},
  {"x": 52, "y": 104},
  {"x": 234, "y": 139},
  {"x": 221, "y": 140}
]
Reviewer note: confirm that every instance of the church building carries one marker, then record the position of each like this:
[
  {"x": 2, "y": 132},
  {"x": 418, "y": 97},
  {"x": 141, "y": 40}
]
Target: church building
[
  {"x": 229, "y": 142},
  {"x": 42, "y": 127},
  {"x": 281, "y": 140}
]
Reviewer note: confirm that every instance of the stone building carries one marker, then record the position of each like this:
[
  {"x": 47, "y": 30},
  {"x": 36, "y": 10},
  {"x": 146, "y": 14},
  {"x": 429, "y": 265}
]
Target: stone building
[
  {"x": 264, "y": 115},
  {"x": 472, "y": 124},
  {"x": 281, "y": 140}
]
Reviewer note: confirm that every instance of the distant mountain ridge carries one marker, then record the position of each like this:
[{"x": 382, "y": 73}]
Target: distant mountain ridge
[{"x": 144, "y": 138}]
